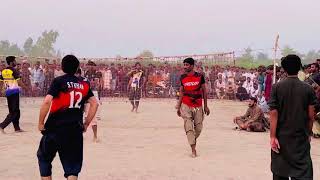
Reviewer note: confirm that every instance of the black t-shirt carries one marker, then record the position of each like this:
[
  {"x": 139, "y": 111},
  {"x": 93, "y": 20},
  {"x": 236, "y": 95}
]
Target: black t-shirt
[{"x": 69, "y": 96}]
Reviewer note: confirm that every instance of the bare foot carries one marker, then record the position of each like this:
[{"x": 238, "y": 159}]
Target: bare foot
[
  {"x": 2, "y": 131},
  {"x": 132, "y": 109},
  {"x": 19, "y": 131},
  {"x": 194, "y": 154},
  {"x": 96, "y": 140}
]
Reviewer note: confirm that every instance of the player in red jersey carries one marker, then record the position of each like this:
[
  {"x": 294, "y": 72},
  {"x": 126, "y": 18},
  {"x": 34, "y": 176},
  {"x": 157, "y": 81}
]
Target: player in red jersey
[
  {"x": 62, "y": 131},
  {"x": 189, "y": 107}
]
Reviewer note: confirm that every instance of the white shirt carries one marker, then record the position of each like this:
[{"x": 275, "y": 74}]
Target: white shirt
[
  {"x": 254, "y": 92},
  {"x": 248, "y": 85}
]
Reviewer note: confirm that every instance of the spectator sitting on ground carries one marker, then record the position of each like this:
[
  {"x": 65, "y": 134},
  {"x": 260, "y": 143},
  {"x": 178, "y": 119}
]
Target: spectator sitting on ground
[
  {"x": 230, "y": 91},
  {"x": 253, "y": 120},
  {"x": 242, "y": 93}
]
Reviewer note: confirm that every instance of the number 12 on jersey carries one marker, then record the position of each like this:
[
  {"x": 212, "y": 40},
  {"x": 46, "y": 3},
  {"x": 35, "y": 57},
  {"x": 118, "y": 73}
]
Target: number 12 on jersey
[{"x": 75, "y": 95}]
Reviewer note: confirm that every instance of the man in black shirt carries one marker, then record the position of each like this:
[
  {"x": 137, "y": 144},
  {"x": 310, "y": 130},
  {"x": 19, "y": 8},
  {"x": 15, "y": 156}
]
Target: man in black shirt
[
  {"x": 63, "y": 129},
  {"x": 292, "y": 116}
]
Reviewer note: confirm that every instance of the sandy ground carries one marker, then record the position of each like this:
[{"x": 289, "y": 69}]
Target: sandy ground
[{"x": 150, "y": 145}]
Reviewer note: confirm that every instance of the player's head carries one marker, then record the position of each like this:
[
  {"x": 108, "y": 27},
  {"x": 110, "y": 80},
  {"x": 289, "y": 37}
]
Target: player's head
[
  {"x": 188, "y": 64},
  {"x": 291, "y": 64},
  {"x": 137, "y": 66},
  {"x": 70, "y": 64},
  {"x": 11, "y": 61},
  {"x": 252, "y": 101}
]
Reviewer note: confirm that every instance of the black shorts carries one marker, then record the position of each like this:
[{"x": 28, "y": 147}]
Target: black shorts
[
  {"x": 68, "y": 144},
  {"x": 134, "y": 94}
]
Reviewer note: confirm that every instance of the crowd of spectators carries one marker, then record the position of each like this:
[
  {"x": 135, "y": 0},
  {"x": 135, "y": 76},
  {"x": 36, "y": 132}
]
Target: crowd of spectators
[{"x": 162, "y": 81}]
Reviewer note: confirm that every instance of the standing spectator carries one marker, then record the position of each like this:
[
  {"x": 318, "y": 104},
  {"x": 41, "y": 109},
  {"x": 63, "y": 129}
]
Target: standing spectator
[
  {"x": 114, "y": 77},
  {"x": 37, "y": 78},
  {"x": 261, "y": 80},
  {"x": 25, "y": 78},
  {"x": 58, "y": 72},
  {"x": 268, "y": 83},
  {"x": 174, "y": 81},
  {"x": 107, "y": 77},
  {"x": 49, "y": 76}
]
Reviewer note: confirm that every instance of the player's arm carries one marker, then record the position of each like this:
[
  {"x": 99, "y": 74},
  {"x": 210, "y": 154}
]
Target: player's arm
[
  {"x": 180, "y": 97},
  {"x": 130, "y": 81},
  {"x": 91, "y": 112},
  {"x": 273, "y": 104},
  {"x": 273, "y": 123},
  {"x": 45, "y": 107}
]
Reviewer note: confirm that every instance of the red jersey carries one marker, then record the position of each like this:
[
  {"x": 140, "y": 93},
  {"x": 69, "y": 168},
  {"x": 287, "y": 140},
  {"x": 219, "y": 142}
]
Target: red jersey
[{"x": 192, "y": 91}]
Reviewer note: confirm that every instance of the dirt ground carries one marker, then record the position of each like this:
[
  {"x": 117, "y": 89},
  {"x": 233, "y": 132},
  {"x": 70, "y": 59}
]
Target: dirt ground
[{"x": 150, "y": 145}]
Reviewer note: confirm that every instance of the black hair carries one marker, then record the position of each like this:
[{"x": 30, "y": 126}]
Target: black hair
[
  {"x": 291, "y": 64},
  {"x": 316, "y": 65},
  {"x": 270, "y": 67},
  {"x": 137, "y": 63},
  {"x": 70, "y": 64},
  {"x": 189, "y": 61},
  {"x": 253, "y": 99},
  {"x": 10, "y": 59}
]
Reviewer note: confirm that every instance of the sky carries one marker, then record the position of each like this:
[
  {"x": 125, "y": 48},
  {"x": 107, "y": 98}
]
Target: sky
[{"x": 106, "y": 28}]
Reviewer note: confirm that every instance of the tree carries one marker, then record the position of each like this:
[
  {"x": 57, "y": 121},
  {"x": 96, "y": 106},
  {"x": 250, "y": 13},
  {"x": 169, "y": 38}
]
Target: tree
[
  {"x": 262, "y": 56},
  {"x": 248, "y": 54},
  {"x": 15, "y": 50},
  {"x": 6, "y": 48},
  {"x": 146, "y": 54},
  {"x": 311, "y": 57},
  {"x": 286, "y": 50},
  {"x": 44, "y": 44},
  {"x": 28, "y": 45}
]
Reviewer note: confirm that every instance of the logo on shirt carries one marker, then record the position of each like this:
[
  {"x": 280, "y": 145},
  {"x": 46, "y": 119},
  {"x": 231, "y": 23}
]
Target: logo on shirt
[{"x": 191, "y": 83}]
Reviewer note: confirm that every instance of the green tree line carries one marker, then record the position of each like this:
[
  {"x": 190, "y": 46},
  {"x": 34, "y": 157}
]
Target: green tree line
[{"x": 42, "y": 46}]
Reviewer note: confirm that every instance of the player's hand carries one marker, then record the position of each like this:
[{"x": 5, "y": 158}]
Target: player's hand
[
  {"x": 275, "y": 146},
  {"x": 179, "y": 112},
  {"x": 41, "y": 127},
  {"x": 206, "y": 110}
]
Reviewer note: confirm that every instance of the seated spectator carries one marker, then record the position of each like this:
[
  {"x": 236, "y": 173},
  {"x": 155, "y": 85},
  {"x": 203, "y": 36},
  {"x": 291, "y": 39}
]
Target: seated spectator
[
  {"x": 220, "y": 86},
  {"x": 230, "y": 91},
  {"x": 248, "y": 84},
  {"x": 253, "y": 120},
  {"x": 254, "y": 91},
  {"x": 263, "y": 103},
  {"x": 242, "y": 93}
]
